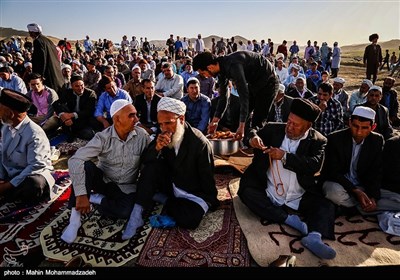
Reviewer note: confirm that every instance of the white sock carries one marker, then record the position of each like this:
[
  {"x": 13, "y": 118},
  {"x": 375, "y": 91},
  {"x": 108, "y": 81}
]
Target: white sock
[
  {"x": 71, "y": 231},
  {"x": 135, "y": 221},
  {"x": 96, "y": 198}
]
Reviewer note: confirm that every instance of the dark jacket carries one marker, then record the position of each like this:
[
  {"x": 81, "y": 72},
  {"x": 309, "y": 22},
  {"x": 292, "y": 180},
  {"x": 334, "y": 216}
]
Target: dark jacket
[
  {"x": 45, "y": 62},
  {"x": 391, "y": 165},
  {"x": 87, "y": 102},
  {"x": 372, "y": 57},
  {"x": 306, "y": 163},
  {"x": 141, "y": 108},
  {"x": 382, "y": 121},
  {"x": 252, "y": 73},
  {"x": 285, "y": 110},
  {"x": 369, "y": 166},
  {"x": 192, "y": 170}
]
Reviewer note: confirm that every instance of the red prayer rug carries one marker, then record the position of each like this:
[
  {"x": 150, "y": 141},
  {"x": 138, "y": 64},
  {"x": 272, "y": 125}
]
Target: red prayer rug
[
  {"x": 20, "y": 228},
  {"x": 217, "y": 242}
]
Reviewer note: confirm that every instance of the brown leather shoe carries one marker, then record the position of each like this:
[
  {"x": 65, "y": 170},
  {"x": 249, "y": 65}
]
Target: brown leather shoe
[{"x": 284, "y": 261}]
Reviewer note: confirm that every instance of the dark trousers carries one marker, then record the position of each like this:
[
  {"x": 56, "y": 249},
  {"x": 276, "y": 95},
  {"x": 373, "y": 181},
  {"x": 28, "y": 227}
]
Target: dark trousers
[
  {"x": 260, "y": 102},
  {"x": 115, "y": 203},
  {"x": 319, "y": 212},
  {"x": 33, "y": 190},
  {"x": 156, "y": 177}
]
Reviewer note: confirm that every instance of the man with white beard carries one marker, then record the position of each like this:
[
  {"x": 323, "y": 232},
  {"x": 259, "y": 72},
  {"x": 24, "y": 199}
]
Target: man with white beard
[{"x": 178, "y": 171}]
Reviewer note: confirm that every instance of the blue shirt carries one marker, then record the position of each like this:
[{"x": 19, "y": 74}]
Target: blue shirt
[
  {"x": 197, "y": 112},
  {"x": 105, "y": 101}
]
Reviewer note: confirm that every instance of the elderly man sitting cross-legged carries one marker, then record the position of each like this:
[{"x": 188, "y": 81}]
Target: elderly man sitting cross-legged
[
  {"x": 117, "y": 150},
  {"x": 281, "y": 177},
  {"x": 180, "y": 164}
]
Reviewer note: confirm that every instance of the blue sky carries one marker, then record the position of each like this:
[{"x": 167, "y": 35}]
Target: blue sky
[{"x": 348, "y": 22}]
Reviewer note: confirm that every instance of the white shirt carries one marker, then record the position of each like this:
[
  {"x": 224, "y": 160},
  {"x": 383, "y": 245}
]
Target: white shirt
[{"x": 292, "y": 190}]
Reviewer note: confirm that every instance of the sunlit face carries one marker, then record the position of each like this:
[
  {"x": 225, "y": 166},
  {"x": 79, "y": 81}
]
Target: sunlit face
[
  {"x": 323, "y": 96},
  {"x": 364, "y": 88},
  {"x": 148, "y": 89},
  {"x": 36, "y": 85},
  {"x": 111, "y": 89},
  {"x": 168, "y": 121},
  {"x": 5, "y": 76},
  {"x": 78, "y": 87},
  {"x": 296, "y": 127},
  {"x": 136, "y": 74},
  {"x": 168, "y": 72},
  {"x": 67, "y": 72},
  {"x": 374, "y": 96},
  {"x": 193, "y": 91},
  {"x": 360, "y": 130},
  {"x": 337, "y": 86},
  {"x": 300, "y": 84},
  {"x": 126, "y": 119},
  {"x": 109, "y": 72}
]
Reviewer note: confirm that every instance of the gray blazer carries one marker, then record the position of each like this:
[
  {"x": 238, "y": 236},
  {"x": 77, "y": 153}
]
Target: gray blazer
[{"x": 25, "y": 154}]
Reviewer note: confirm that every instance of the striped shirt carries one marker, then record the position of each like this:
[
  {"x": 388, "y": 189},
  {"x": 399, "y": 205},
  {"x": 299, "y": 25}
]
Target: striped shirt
[{"x": 119, "y": 160}]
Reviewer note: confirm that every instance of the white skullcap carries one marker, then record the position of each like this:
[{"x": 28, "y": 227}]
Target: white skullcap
[
  {"x": 33, "y": 27},
  {"x": 193, "y": 79},
  {"x": 296, "y": 66},
  {"x": 26, "y": 64},
  {"x": 63, "y": 66},
  {"x": 281, "y": 88},
  {"x": 136, "y": 67},
  {"x": 378, "y": 88},
  {"x": 118, "y": 105},
  {"x": 364, "y": 112},
  {"x": 77, "y": 62},
  {"x": 171, "y": 105},
  {"x": 339, "y": 80},
  {"x": 3, "y": 59},
  {"x": 367, "y": 82},
  {"x": 301, "y": 78},
  {"x": 279, "y": 56}
]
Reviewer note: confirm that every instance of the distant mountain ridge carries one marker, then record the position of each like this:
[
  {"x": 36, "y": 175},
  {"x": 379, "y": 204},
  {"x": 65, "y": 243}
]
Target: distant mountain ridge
[{"x": 6, "y": 33}]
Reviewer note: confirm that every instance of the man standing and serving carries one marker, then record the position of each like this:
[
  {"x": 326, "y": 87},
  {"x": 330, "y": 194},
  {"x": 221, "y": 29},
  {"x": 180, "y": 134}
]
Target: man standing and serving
[{"x": 255, "y": 79}]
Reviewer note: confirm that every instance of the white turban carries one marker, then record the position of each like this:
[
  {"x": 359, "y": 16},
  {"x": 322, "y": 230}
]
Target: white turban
[
  {"x": 33, "y": 27},
  {"x": 339, "y": 80},
  {"x": 118, "y": 105},
  {"x": 367, "y": 82},
  {"x": 171, "y": 105},
  {"x": 64, "y": 66},
  {"x": 26, "y": 64}
]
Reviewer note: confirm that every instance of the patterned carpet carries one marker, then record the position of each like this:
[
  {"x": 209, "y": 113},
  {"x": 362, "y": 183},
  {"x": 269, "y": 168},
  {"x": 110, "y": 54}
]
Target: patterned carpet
[
  {"x": 359, "y": 240},
  {"x": 98, "y": 242},
  {"x": 19, "y": 237},
  {"x": 218, "y": 241}
]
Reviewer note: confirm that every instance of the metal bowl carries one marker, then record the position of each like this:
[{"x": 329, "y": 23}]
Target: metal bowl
[{"x": 224, "y": 147}]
